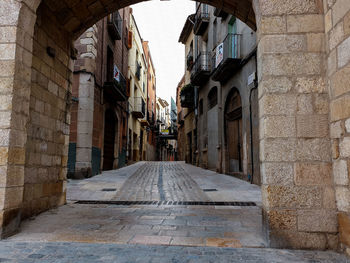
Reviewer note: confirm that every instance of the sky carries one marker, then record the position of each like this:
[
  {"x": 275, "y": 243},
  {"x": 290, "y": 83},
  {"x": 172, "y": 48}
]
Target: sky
[{"x": 161, "y": 23}]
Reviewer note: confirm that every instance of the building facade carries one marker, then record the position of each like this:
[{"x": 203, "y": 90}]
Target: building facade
[
  {"x": 181, "y": 138},
  {"x": 137, "y": 75},
  {"x": 99, "y": 98},
  {"x": 221, "y": 77},
  {"x": 151, "y": 147},
  {"x": 188, "y": 96}
]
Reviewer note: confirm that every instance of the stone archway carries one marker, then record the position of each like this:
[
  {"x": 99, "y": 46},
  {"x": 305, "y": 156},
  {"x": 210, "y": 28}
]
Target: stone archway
[{"x": 298, "y": 193}]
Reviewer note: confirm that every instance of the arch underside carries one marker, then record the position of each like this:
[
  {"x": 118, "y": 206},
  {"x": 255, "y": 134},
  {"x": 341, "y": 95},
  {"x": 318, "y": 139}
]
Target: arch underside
[{"x": 77, "y": 16}]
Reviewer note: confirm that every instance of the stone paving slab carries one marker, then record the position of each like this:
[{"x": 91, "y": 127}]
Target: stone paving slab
[
  {"x": 91, "y": 188},
  {"x": 181, "y": 181},
  {"x": 228, "y": 187},
  {"x": 198, "y": 225},
  {"x": 141, "y": 224},
  {"x": 61, "y": 252}
]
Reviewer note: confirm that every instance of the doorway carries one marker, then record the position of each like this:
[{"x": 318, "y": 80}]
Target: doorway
[
  {"x": 109, "y": 140},
  {"x": 233, "y": 130}
]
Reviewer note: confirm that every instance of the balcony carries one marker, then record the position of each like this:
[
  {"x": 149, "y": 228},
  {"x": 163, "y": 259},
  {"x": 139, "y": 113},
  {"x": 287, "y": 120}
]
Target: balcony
[
  {"x": 146, "y": 122},
  {"x": 201, "y": 69},
  {"x": 230, "y": 61},
  {"x": 202, "y": 20},
  {"x": 187, "y": 96},
  {"x": 115, "y": 90},
  {"x": 218, "y": 12},
  {"x": 139, "y": 109},
  {"x": 150, "y": 118},
  {"x": 189, "y": 60},
  {"x": 115, "y": 25}
]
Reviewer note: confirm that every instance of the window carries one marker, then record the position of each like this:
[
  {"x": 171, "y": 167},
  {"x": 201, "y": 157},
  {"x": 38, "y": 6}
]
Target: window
[
  {"x": 110, "y": 65},
  {"x": 201, "y": 107},
  {"x": 213, "y": 98}
]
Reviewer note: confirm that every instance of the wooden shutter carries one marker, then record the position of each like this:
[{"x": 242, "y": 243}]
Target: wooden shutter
[{"x": 130, "y": 40}]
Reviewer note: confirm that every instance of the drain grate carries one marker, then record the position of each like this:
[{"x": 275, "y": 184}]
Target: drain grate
[
  {"x": 210, "y": 190},
  {"x": 93, "y": 202},
  {"x": 109, "y": 190}
]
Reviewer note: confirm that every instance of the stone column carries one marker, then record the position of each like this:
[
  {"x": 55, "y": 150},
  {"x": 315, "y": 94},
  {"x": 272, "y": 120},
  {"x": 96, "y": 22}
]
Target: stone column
[
  {"x": 16, "y": 43},
  {"x": 86, "y": 66},
  {"x": 297, "y": 185},
  {"x": 85, "y": 120}
]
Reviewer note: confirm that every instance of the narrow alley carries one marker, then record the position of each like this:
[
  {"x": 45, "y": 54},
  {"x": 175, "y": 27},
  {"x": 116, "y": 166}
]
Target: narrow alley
[{"x": 162, "y": 211}]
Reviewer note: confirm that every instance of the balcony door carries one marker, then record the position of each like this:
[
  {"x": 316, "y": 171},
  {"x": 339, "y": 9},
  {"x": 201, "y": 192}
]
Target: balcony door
[
  {"x": 232, "y": 37},
  {"x": 110, "y": 65}
]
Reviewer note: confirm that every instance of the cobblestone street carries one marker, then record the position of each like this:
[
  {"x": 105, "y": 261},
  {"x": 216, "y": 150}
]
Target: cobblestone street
[{"x": 129, "y": 233}]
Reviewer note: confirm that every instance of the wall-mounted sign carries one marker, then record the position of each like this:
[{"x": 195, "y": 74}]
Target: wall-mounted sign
[
  {"x": 219, "y": 54},
  {"x": 116, "y": 75},
  {"x": 165, "y": 132},
  {"x": 251, "y": 78}
]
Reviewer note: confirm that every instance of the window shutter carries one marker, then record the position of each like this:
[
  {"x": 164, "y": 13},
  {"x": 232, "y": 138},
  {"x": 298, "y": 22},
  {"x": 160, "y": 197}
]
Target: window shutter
[{"x": 130, "y": 40}]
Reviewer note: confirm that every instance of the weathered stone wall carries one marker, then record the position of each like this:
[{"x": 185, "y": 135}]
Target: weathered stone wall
[
  {"x": 16, "y": 33},
  {"x": 298, "y": 194},
  {"x": 49, "y": 117},
  {"x": 298, "y": 188},
  {"x": 337, "y": 28}
]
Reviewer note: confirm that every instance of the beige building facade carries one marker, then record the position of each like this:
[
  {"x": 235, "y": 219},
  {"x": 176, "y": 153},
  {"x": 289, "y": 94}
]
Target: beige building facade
[
  {"x": 137, "y": 136},
  {"x": 188, "y": 113},
  {"x": 303, "y": 59}
]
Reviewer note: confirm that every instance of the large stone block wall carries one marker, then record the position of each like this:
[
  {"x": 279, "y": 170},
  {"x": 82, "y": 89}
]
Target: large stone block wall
[
  {"x": 302, "y": 64},
  {"x": 296, "y": 163},
  {"x": 337, "y": 28},
  {"x": 16, "y": 33},
  {"x": 49, "y": 117}
]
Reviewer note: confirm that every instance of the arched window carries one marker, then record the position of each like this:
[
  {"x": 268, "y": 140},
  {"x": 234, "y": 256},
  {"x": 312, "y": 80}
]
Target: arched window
[{"x": 212, "y": 98}]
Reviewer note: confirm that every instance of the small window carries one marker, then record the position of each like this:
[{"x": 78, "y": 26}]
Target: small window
[{"x": 213, "y": 98}]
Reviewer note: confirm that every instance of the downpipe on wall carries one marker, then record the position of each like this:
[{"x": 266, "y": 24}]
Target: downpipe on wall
[{"x": 256, "y": 84}]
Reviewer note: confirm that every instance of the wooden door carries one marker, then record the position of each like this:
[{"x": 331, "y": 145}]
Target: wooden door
[{"x": 109, "y": 141}]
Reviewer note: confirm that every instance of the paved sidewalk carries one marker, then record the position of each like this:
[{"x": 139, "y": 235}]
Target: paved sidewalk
[{"x": 22, "y": 252}]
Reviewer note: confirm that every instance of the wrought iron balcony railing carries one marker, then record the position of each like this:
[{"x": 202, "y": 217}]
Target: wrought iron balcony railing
[
  {"x": 230, "y": 57},
  {"x": 201, "y": 69},
  {"x": 139, "y": 108},
  {"x": 116, "y": 89},
  {"x": 115, "y": 25},
  {"x": 202, "y": 19},
  {"x": 189, "y": 60}
]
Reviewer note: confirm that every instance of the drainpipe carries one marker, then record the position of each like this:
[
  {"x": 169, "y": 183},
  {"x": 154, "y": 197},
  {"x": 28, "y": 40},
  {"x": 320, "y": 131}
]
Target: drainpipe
[
  {"x": 196, "y": 95},
  {"x": 251, "y": 122}
]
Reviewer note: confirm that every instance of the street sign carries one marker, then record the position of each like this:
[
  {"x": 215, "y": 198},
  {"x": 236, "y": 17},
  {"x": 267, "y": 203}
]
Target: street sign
[
  {"x": 165, "y": 132},
  {"x": 219, "y": 54},
  {"x": 251, "y": 78}
]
